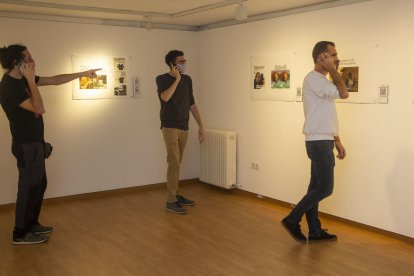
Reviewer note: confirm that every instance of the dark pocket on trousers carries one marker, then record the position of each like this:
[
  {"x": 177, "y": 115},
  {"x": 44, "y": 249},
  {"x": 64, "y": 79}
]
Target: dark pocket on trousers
[
  {"x": 18, "y": 152},
  {"x": 47, "y": 149}
]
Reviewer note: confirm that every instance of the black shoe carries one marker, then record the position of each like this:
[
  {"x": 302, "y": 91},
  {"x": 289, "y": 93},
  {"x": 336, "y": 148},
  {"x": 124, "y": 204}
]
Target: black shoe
[
  {"x": 175, "y": 208},
  {"x": 184, "y": 201},
  {"x": 323, "y": 236},
  {"x": 30, "y": 238},
  {"x": 294, "y": 230},
  {"x": 40, "y": 229}
]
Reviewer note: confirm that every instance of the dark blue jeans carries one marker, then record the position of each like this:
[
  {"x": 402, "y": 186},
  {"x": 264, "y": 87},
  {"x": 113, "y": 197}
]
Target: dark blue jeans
[
  {"x": 321, "y": 184},
  {"x": 32, "y": 185}
]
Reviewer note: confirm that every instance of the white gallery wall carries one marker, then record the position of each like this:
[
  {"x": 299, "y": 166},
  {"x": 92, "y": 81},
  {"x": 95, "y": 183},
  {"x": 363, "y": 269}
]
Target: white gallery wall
[
  {"x": 98, "y": 144},
  {"x": 109, "y": 144},
  {"x": 374, "y": 184}
]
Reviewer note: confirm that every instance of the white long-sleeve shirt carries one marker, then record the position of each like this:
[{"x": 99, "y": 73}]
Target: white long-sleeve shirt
[{"x": 321, "y": 120}]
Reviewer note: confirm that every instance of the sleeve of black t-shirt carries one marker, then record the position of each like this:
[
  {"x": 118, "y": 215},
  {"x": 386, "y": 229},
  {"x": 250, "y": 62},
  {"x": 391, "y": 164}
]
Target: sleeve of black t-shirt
[
  {"x": 162, "y": 84},
  {"x": 192, "y": 101}
]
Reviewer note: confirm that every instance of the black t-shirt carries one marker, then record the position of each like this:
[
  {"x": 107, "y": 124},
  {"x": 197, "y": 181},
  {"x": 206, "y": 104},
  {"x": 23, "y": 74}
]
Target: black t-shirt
[
  {"x": 24, "y": 126},
  {"x": 175, "y": 112}
]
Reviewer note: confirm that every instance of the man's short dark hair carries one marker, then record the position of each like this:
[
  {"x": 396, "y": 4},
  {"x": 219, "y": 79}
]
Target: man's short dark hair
[
  {"x": 172, "y": 56},
  {"x": 321, "y": 47}
]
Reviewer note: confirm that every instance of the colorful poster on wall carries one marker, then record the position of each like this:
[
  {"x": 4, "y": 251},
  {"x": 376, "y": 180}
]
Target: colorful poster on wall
[
  {"x": 350, "y": 76},
  {"x": 120, "y": 88},
  {"x": 110, "y": 82},
  {"x": 273, "y": 76},
  {"x": 259, "y": 79},
  {"x": 349, "y": 71},
  {"x": 280, "y": 77}
]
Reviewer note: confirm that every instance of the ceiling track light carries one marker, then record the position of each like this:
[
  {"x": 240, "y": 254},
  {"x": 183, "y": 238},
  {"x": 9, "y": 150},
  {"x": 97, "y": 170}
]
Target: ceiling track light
[
  {"x": 240, "y": 12},
  {"x": 148, "y": 22}
]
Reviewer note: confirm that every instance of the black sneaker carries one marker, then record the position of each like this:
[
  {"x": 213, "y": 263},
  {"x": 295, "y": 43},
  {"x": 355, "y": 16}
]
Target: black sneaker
[
  {"x": 294, "y": 230},
  {"x": 175, "y": 207},
  {"x": 323, "y": 236},
  {"x": 184, "y": 201},
  {"x": 30, "y": 238},
  {"x": 40, "y": 229}
]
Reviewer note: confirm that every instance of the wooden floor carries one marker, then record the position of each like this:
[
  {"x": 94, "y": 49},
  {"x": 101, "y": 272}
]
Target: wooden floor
[{"x": 226, "y": 233}]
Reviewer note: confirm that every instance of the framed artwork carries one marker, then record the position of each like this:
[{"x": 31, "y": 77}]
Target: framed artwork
[
  {"x": 272, "y": 77},
  {"x": 364, "y": 76},
  {"x": 111, "y": 81}
]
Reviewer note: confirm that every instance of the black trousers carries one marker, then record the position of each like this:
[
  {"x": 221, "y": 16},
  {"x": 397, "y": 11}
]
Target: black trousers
[
  {"x": 320, "y": 186},
  {"x": 31, "y": 187}
]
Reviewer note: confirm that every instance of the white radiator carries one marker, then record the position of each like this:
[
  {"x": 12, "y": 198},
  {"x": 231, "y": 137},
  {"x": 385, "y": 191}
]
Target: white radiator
[{"x": 218, "y": 158}]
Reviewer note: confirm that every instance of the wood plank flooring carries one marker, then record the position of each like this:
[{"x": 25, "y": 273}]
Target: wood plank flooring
[{"x": 226, "y": 233}]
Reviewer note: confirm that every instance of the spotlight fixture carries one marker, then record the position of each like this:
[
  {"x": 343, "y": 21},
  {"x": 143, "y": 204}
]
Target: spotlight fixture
[
  {"x": 148, "y": 24},
  {"x": 241, "y": 12}
]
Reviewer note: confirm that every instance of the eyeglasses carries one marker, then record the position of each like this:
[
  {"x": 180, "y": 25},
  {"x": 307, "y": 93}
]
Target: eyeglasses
[{"x": 181, "y": 61}]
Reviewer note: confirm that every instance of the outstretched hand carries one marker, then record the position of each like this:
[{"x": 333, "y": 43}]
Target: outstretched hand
[{"x": 90, "y": 73}]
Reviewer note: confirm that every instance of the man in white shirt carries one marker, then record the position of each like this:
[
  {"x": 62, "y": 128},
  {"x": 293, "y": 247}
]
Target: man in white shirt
[{"x": 321, "y": 132}]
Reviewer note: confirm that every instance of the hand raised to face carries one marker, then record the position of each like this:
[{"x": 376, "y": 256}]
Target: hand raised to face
[
  {"x": 329, "y": 62},
  {"x": 175, "y": 71}
]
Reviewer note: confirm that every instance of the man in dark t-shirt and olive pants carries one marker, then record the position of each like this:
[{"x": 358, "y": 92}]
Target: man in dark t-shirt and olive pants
[{"x": 175, "y": 91}]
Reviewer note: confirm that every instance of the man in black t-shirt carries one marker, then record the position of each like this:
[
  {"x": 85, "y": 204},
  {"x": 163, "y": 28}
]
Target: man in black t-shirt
[
  {"x": 175, "y": 91},
  {"x": 23, "y": 105}
]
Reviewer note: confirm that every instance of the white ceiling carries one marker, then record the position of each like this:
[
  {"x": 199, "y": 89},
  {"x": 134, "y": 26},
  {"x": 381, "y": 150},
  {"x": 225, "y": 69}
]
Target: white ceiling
[{"x": 170, "y": 14}]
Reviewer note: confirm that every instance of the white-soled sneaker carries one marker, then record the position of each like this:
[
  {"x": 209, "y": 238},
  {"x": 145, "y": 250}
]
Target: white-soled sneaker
[
  {"x": 175, "y": 208},
  {"x": 30, "y": 238}
]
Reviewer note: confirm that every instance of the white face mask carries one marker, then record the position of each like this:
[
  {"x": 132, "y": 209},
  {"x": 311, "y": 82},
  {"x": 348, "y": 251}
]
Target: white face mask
[{"x": 181, "y": 67}]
